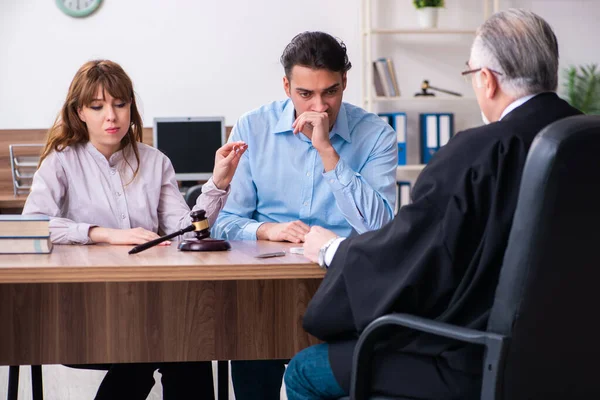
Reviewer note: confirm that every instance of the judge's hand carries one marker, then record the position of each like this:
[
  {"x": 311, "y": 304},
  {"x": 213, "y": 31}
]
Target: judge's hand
[
  {"x": 227, "y": 159},
  {"x": 314, "y": 240},
  {"x": 315, "y": 125},
  {"x": 123, "y": 236},
  {"x": 283, "y": 232}
]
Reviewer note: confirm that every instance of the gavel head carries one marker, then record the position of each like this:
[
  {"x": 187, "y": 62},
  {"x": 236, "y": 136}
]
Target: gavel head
[{"x": 201, "y": 227}]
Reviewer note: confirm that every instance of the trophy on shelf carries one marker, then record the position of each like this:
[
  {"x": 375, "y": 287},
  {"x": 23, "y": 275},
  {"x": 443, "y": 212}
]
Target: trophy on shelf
[
  {"x": 202, "y": 242},
  {"x": 425, "y": 87}
]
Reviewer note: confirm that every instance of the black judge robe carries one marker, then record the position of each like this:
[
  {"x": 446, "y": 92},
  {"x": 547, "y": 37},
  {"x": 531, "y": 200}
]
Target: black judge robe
[{"x": 440, "y": 258}]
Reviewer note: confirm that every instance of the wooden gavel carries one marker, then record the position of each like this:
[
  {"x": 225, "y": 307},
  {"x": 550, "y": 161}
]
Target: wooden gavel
[{"x": 425, "y": 85}]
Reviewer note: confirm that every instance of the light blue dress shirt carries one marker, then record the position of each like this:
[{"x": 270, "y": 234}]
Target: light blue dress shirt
[{"x": 281, "y": 178}]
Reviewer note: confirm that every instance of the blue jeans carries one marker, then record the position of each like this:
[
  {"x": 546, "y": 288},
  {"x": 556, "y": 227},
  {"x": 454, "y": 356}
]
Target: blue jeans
[{"x": 309, "y": 376}]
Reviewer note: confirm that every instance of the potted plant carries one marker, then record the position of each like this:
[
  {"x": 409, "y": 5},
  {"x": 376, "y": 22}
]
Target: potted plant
[
  {"x": 428, "y": 12},
  {"x": 582, "y": 87}
]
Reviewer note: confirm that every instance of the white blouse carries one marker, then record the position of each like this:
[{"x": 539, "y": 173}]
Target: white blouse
[{"x": 79, "y": 188}]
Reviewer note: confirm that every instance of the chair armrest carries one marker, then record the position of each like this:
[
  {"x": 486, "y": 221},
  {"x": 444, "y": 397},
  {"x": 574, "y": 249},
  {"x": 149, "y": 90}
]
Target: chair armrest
[
  {"x": 363, "y": 354},
  {"x": 434, "y": 327}
]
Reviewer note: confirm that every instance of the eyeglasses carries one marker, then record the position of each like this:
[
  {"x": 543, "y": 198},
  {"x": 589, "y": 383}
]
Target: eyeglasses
[{"x": 466, "y": 73}]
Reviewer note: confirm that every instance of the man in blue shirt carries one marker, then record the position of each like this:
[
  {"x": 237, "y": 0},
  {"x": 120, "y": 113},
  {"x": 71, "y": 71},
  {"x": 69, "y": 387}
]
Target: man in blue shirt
[{"x": 312, "y": 160}]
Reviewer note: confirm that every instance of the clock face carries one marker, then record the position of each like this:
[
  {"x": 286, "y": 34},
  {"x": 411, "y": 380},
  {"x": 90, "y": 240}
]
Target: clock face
[{"x": 78, "y": 8}]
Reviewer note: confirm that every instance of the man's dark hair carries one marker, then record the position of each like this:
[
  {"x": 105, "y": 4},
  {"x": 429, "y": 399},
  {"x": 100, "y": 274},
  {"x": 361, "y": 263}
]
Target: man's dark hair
[{"x": 317, "y": 50}]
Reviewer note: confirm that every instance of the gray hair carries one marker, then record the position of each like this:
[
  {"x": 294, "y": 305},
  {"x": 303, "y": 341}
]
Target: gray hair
[{"x": 522, "y": 47}]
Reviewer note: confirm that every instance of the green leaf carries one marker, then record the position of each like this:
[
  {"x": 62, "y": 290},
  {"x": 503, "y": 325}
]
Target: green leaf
[
  {"x": 582, "y": 86},
  {"x": 428, "y": 3}
]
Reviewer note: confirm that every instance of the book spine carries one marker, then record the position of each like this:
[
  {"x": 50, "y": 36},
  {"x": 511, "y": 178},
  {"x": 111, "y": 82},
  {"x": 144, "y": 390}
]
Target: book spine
[
  {"x": 377, "y": 81},
  {"x": 392, "y": 72},
  {"x": 386, "y": 79}
]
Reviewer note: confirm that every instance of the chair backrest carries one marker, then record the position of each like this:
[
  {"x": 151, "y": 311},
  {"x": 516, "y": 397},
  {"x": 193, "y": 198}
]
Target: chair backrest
[
  {"x": 192, "y": 194},
  {"x": 548, "y": 295}
]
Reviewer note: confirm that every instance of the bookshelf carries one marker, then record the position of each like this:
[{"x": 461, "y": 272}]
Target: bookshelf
[
  {"x": 374, "y": 37},
  {"x": 370, "y": 32},
  {"x": 410, "y": 168},
  {"x": 391, "y": 27},
  {"x": 400, "y": 99},
  {"x": 408, "y": 172}
]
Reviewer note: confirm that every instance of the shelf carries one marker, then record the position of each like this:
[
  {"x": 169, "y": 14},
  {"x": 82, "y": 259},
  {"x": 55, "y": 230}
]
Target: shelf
[
  {"x": 374, "y": 35},
  {"x": 410, "y": 167},
  {"x": 379, "y": 99},
  {"x": 408, "y": 172},
  {"x": 418, "y": 31}
]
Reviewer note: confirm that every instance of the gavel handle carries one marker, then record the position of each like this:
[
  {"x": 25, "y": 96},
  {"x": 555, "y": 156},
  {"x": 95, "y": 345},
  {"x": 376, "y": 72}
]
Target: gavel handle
[
  {"x": 445, "y": 91},
  {"x": 161, "y": 239}
]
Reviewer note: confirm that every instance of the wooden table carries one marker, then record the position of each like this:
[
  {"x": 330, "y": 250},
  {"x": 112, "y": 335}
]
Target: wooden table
[
  {"x": 11, "y": 204},
  {"x": 97, "y": 304}
]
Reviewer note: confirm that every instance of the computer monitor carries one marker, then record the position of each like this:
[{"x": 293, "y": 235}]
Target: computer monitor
[{"x": 190, "y": 143}]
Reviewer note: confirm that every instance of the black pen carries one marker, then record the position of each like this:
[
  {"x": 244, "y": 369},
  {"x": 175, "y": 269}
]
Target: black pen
[{"x": 269, "y": 255}]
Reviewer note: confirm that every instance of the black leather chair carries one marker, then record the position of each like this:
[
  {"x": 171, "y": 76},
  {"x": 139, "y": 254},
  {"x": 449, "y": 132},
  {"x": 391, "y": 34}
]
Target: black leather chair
[
  {"x": 192, "y": 194},
  {"x": 542, "y": 340}
]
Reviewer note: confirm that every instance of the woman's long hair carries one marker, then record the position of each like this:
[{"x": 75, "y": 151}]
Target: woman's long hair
[{"x": 69, "y": 130}]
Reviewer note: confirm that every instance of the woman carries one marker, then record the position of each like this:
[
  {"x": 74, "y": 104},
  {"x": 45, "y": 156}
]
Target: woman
[{"x": 99, "y": 184}]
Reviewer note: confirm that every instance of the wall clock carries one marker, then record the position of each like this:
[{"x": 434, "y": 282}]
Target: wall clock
[{"x": 78, "y": 8}]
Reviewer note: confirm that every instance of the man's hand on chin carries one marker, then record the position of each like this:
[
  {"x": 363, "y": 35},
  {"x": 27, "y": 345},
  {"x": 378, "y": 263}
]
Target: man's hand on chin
[{"x": 315, "y": 125}]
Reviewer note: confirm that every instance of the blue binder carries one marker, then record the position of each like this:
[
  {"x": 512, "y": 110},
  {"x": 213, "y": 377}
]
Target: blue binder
[
  {"x": 402, "y": 194},
  {"x": 397, "y": 121},
  {"x": 436, "y": 129}
]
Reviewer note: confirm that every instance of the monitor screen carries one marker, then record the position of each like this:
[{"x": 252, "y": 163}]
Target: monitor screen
[{"x": 190, "y": 143}]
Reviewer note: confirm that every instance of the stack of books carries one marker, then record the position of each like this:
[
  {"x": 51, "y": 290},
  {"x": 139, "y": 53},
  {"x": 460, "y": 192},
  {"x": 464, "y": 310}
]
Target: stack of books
[{"x": 24, "y": 234}]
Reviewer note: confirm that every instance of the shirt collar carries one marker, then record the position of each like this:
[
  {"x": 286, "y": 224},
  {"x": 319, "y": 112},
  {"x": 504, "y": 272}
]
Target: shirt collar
[
  {"x": 287, "y": 117},
  {"x": 114, "y": 158},
  {"x": 340, "y": 127},
  {"x": 515, "y": 104}
]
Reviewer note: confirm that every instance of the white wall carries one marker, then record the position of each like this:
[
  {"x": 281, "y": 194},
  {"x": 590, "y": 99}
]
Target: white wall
[
  {"x": 186, "y": 57},
  {"x": 204, "y": 57}
]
